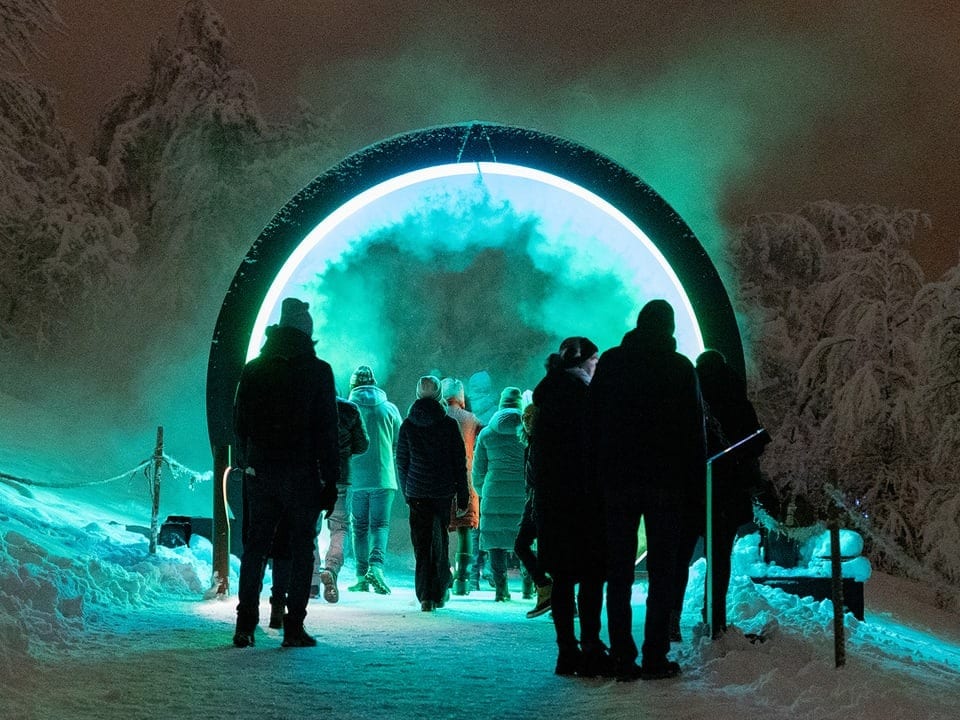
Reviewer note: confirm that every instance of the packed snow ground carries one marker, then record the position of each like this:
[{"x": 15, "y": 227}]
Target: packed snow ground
[{"x": 92, "y": 626}]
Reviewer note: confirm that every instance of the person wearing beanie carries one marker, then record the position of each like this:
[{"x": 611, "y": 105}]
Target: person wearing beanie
[
  {"x": 295, "y": 314},
  {"x": 568, "y": 507},
  {"x": 363, "y": 375},
  {"x": 511, "y": 397},
  {"x": 464, "y": 524},
  {"x": 428, "y": 386},
  {"x": 373, "y": 481},
  {"x": 650, "y": 448},
  {"x": 286, "y": 427},
  {"x": 499, "y": 480},
  {"x": 432, "y": 474}
]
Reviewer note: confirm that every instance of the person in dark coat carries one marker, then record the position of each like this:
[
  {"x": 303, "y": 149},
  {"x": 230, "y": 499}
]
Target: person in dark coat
[
  {"x": 432, "y": 472},
  {"x": 285, "y": 421},
  {"x": 650, "y": 454},
  {"x": 568, "y": 508},
  {"x": 731, "y": 417},
  {"x": 352, "y": 440},
  {"x": 527, "y": 530}
]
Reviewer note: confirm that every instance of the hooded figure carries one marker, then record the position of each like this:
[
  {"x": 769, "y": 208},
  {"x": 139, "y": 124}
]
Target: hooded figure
[
  {"x": 483, "y": 401},
  {"x": 567, "y": 504},
  {"x": 373, "y": 479},
  {"x": 650, "y": 449},
  {"x": 499, "y": 480}
]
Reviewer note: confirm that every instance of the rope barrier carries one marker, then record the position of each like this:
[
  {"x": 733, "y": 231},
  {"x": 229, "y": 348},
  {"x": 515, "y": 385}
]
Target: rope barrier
[{"x": 177, "y": 468}]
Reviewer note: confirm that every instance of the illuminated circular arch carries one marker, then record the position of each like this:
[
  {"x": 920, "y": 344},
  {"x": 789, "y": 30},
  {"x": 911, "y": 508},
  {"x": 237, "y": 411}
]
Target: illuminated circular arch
[{"x": 495, "y": 153}]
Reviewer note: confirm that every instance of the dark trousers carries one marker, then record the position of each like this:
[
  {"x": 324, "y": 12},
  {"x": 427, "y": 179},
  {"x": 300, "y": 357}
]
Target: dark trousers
[
  {"x": 571, "y": 597},
  {"x": 277, "y": 495},
  {"x": 429, "y": 518},
  {"x": 724, "y": 536},
  {"x": 523, "y": 547},
  {"x": 660, "y": 509}
]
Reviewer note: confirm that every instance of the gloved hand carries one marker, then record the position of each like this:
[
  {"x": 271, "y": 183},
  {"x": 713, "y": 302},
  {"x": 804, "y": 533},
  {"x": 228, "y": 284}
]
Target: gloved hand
[{"x": 328, "y": 500}]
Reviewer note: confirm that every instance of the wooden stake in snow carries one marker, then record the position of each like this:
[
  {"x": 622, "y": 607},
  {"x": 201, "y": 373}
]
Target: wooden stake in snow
[
  {"x": 155, "y": 492},
  {"x": 836, "y": 576}
]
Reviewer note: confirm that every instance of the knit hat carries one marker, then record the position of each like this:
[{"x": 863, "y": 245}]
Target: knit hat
[
  {"x": 294, "y": 314},
  {"x": 451, "y": 388},
  {"x": 511, "y": 397},
  {"x": 363, "y": 375},
  {"x": 428, "y": 387},
  {"x": 656, "y": 319}
]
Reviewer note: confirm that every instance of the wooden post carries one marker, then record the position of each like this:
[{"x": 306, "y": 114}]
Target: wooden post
[
  {"x": 155, "y": 492},
  {"x": 221, "y": 520},
  {"x": 836, "y": 576}
]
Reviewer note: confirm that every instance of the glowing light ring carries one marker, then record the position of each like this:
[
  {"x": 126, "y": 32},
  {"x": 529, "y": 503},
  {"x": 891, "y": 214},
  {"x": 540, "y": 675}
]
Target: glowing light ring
[{"x": 399, "y": 182}]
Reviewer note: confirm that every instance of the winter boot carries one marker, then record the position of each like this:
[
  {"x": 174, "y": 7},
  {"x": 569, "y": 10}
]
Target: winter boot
[
  {"x": 502, "y": 592},
  {"x": 361, "y": 585},
  {"x": 528, "y": 587},
  {"x": 294, "y": 635},
  {"x": 569, "y": 661},
  {"x": 460, "y": 586},
  {"x": 243, "y": 636},
  {"x": 596, "y": 661},
  {"x": 328, "y": 577},
  {"x": 376, "y": 580},
  {"x": 276, "y": 614},
  {"x": 543, "y": 601}
]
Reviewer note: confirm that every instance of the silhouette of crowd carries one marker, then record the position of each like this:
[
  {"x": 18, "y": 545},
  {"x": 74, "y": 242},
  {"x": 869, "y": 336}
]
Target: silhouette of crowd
[{"x": 557, "y": 481}]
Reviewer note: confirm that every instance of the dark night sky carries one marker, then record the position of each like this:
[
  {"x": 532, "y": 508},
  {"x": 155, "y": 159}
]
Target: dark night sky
[{"x": 749, "y": 106}]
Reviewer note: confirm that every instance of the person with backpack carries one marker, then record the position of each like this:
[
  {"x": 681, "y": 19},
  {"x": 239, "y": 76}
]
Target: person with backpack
[{"x": 285, "y": 422}]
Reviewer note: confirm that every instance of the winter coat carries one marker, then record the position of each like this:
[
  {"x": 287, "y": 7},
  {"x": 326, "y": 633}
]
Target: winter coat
[
  {"x": 499, "y": 480},
  {"x": 310, "y": 422},
  {"x": 736, "y": 478},
  {"x": 431, "y": 458},
  {"x": 469, "y": 429},
  {"x": 352, "y": 436},
  {"x": 568, "y": 506},
  {"x": 375, "y": 469},
  {"x": 648, "y": 418}
]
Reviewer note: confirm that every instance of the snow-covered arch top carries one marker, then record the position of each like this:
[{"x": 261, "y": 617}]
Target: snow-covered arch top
[{"x": 546, "y": 163}]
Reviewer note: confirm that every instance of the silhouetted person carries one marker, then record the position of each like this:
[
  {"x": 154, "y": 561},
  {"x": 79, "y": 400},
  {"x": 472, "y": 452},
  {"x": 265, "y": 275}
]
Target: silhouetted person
[
  {"x": 527, "y": 530},
  {"x": 650, "y": 452},
  {"x": 285, "y": 420},
  {"x": 432, "y": 471},
  {"x": 568, "y": 507},
  {"x": 352, "y": 439},
  {"x": 736, "y": 477}
]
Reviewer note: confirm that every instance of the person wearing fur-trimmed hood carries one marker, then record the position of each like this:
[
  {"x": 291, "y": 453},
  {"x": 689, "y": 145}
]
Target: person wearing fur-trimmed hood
[{"x": 499, "y": 480}]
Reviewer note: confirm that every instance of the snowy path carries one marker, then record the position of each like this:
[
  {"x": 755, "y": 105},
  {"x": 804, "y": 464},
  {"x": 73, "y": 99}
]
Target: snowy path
[{"x": 381, "y": 658}]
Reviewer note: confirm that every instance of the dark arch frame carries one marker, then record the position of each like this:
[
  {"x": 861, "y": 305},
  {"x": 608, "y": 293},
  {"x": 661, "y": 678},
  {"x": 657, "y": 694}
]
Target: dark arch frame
[
  {"x": 467, "y": 142},
  {"x": 443, "y": 145}
]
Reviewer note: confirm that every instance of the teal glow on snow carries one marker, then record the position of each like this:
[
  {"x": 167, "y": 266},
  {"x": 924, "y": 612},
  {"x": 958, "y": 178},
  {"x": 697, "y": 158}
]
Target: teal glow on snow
[{"x": 587, "y": 231}]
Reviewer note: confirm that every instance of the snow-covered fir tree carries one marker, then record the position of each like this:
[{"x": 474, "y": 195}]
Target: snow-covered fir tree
[
  {"x": 65, "y": 244},
  {"x": 841, "y": 364}
]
